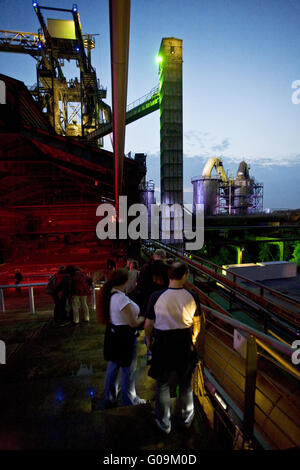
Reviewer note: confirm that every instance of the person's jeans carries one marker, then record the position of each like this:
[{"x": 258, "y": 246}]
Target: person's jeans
[
  {"x": 129, "y": 396},
  {"x": 163, "y": 403},
  {"x": 78, "y": 302}
]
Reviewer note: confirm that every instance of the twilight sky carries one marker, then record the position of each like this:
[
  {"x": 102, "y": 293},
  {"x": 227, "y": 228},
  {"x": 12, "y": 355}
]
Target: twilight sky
[{"x": 241, "y": 58}]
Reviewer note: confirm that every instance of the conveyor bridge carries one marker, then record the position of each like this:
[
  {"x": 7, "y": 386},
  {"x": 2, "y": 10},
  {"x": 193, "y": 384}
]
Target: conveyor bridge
[{"x": 135, "y": 110}]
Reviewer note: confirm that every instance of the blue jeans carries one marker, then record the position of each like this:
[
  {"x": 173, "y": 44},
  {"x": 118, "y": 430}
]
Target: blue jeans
[
  {"x": 129, "y": 396},
  {"x": 163, "y": 403}
]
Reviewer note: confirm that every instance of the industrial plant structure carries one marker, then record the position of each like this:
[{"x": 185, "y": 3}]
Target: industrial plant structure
[
  {"x": 53, "y": 171},
  {"x": 53, "y": 176},
  {"x": 221, "y": 194}
]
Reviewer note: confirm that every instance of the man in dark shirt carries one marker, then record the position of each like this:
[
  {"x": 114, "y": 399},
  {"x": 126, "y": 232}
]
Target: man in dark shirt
[
  {"x": 153, "y": 276},
  {"x": 168, "y": 330}
]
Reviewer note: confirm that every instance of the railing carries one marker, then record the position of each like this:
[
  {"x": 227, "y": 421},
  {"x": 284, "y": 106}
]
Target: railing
[
  {"x": 236, "y": 277},
  {"x": 30, "y": 287},
  {"x": 18, "y": 286},
  {"x": 254, "y": 387},
  {"x": 131, "y": 113},
  {"x": 20, "y": 38},
  {"x": 143, "y": 99},
  {"x": 287, "y": 310},
  {"x": 246, "y": 377}
]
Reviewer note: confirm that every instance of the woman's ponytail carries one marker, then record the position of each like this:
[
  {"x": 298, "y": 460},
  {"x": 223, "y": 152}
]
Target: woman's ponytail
[{"x": 119, "y": 277}]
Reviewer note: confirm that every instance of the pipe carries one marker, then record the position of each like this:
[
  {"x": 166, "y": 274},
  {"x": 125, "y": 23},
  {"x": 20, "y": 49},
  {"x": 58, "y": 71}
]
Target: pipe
[
  {"x": 243, "y": 171},
  {"x": 217, "y": 163},
  {"x": 119, "y": 12}
]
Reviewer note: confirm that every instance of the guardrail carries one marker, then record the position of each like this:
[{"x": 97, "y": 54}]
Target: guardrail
[
  {"x": 216, "y": 268},
  {"x": 143, "y": 99},
  {"x": 270, "y": 308},
  {"x": 248, "y": 380},
  {"x": 17, "y": 286},
  {"x": 30, "y": 287}
]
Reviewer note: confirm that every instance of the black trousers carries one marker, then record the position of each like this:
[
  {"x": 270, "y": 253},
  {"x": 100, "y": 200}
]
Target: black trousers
[{"x": 60, "y": 315}]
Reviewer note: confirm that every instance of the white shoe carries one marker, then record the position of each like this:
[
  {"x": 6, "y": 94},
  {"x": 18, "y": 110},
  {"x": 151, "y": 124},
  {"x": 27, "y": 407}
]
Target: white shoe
[
  {"x": 188, "y": 422},
  {"x": 140, "y": 401}
]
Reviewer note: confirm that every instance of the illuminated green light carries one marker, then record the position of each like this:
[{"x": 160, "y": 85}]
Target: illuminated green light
[{"x": 159, "y": 59}]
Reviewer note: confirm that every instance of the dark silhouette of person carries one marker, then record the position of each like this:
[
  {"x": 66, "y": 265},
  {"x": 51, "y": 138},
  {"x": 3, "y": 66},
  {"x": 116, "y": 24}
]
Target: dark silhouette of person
[{"x": 18, "y": 279}]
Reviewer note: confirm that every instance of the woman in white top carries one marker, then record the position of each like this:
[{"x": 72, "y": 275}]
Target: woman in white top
[{"x": 120, "y": 345}]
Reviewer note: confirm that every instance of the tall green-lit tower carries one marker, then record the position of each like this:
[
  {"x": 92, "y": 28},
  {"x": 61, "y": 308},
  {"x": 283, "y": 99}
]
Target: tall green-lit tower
[{"x": 171, "y": 141}]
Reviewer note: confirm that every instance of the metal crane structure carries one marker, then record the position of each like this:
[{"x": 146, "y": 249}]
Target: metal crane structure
[
  {"x": 74, "y": 107},
  {"x": 55, "y": 42}
]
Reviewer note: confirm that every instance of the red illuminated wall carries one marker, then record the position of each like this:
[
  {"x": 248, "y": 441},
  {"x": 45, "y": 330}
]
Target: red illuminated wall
[{"x": 50, "y": 186}]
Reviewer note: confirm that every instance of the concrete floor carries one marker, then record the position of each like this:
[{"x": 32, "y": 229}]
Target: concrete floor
[{"x": 51, "y": 393}]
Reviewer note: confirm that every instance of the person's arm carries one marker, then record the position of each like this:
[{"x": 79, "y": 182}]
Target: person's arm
[
  {"x": 195, "y": 329},
  {"x": 150, "y": 319},
  {"x": 149, "y": 326},
  {"x": 129, "y": 315}
]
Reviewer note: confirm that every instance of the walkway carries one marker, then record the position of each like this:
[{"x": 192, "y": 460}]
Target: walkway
[{"x": 51, "y": 393}]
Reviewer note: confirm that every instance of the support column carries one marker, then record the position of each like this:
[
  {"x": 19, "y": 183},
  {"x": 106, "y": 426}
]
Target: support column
[
  {"x": 281, "y": 250},
  {"x": 250, "y": 387},
  {"x": 119, "y": 12},
  {"x": 239, "y": 254}
]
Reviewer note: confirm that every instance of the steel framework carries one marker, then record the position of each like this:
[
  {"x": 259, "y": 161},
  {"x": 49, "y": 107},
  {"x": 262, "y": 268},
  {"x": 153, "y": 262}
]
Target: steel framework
[{"x": 64, "y": 101}]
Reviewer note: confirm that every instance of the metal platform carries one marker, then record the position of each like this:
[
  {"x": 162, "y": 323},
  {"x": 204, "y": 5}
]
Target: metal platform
[{"x": 51, "y": 394}]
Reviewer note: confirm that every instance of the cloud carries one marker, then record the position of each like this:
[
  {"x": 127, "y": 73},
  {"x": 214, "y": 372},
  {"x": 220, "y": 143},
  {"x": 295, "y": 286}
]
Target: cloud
[
  {"x": 196, "y": 135},
  {"x": 221, "y": 147},
  {"x": 286, "y": 160},
  {"x": 283, "y": 161},
  {"x": 203, "y": 144},
  {"x": 279, "y": 174}
]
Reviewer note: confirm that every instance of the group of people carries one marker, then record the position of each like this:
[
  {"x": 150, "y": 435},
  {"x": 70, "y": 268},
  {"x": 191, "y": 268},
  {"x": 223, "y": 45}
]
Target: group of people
[
  {"x": 69, "y": 288},
  {"x": 154, "y": 298}
]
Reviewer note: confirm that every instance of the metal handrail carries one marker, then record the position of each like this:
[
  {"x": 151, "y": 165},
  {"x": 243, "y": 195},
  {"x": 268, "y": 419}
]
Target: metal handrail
[
  {"x": 30, "y": 286},
  {"x": 287, "y": 315},
  {"x": 235, "y": 276},
  {"x": 143, "y": 99},
  {"x": 17, "y": 286},
  {"x": 274, "y": 343},
  {"x": 248, "y": 391},
  {"x": 223, "y": 373},
  {"x": 27, "y": 284}
]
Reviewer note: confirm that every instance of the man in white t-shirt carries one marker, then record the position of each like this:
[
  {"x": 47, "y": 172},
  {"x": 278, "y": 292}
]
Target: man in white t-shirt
[{"x": 168, "y": 329}]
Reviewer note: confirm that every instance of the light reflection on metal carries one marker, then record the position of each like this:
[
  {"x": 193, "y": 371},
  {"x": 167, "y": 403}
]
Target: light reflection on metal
[{"x": 221, "y": 401}]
